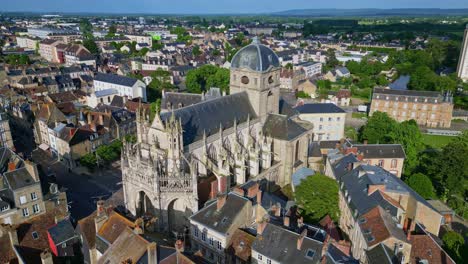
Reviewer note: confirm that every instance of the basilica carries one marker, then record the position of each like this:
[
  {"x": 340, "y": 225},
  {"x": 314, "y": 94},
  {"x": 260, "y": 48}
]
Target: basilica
[{"x": 185, "y": 157}]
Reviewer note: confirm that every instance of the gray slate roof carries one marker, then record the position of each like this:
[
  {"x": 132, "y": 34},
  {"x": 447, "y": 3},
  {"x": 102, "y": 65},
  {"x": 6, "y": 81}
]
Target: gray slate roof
[
  {"x": 220, "y": 221},
  {"x": 319, "y": 108},
  {"x": 255, "y": 57},
  {"x": 19, "y": 178},
  {"x": 282, "y": 127},
  {"x": 374, "y": 151},
  {"x": 280, "y": 245},
  {"x": 115, "y": 79},
  {"x": 209, "y": 115},
  {"x": 62, "y": 232},
  {"x": 370, "y": 175}
]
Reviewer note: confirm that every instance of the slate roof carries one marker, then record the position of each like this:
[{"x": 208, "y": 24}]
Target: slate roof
[
  {"x": 400, "y": 95},
  {"x": 319, "y": 108},
  {"x": 178, "y": 100},
  {"x": 61, "y": 232},
  {"x": 19, "y": 178},
  {"x": 221, "y": 220},
  {"x": 105, "y": 92},
  {"x": 381, "y": 254},
  {"x": 209, "y": 115},
  {"x": 284, "y": 128},
  {"x": 115, "y": 79},
  {"x": 280, "y": 245},
  {"x": 384, "y": 151},
  {"x": 357, "y": 180},
  {"x": 255, "y": 57}
]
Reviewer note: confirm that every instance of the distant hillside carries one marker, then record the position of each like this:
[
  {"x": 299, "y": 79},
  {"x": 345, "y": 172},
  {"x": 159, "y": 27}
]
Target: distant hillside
[{"x": 372, "y": 12}]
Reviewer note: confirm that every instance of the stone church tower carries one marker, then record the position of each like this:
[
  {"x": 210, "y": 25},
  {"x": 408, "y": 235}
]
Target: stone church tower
[
  {"x": 255, "y": 69},
  {"x": 185, "y": 157}
]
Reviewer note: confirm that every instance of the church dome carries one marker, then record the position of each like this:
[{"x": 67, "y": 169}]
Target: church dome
[{"x": 256, "y": 57}]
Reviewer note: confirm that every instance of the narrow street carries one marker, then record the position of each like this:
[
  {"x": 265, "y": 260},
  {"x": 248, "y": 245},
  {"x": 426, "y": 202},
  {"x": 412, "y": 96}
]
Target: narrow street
[{"x": 82, "y": 190}]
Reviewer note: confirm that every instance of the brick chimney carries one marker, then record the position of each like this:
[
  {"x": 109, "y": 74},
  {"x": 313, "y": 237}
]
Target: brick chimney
[
  {"x": 152, "y": 253},
  {"x": 221, "y": 200},
  {"x": 46, "y": 257},
  {"x": 286, "y": 221},
  {"x": 11, "y": 166},
  {"x": 301, "y": 239},
  {"x": 101, "y": 216},
  {"x": 365, "y": 142},
  {"x": 179, "y": 246},
  {"x": 259, "y": 197},
  {"x": 261, "y": 226},
  {"x": 253, "y": 190}
]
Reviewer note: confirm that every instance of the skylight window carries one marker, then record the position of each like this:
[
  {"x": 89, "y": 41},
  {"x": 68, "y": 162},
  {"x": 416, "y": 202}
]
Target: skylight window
[{"x": 310, "y": 253}]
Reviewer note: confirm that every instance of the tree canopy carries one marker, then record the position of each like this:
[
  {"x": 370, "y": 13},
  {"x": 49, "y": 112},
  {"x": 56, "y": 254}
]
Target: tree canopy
[
  {"x": 317, "y": 196},
  {"x": 382, "y": 129},
  {"x": 422, "y": 185},
  {"x": 203, "y": 78}
]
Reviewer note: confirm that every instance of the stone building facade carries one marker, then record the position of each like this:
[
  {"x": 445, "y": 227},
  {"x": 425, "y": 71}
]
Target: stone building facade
[
  {"x": 186, "y": 157},
  {"x": 430, "y": 109}
]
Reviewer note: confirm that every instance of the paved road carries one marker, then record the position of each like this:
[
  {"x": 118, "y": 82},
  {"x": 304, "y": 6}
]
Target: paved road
[{"x": 82, "y": 190}]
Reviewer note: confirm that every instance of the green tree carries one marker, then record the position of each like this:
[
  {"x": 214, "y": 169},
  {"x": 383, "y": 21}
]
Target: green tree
[
  {"x": 317, "y": 196},
  {"x": 332, "y": 61},
  {"x": 455, "y": 246},
  {"x": 89, "y": 161},
  {"x": 202, "y": 78},
  {"x": 422, "y": 185},
  {"x": 112, "y": 31},
  {"x": 378, "y": 129},
  {"x": 289, "y": 66},
  {"x": 196, "y": 51}
]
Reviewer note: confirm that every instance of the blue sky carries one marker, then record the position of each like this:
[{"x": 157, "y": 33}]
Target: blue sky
[{"x": 213, "y": 6}]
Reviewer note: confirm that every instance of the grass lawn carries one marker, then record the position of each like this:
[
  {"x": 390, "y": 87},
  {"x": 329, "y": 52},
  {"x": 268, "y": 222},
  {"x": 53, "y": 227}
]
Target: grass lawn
[
  {"x": 358, "y": 115},
  {"x": 436, "y": 141}
]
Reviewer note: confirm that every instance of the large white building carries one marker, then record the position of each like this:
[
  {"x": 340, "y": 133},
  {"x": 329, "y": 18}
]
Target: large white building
[
  {"x": 462, "y": 71},
  {"x": 125, "y": 86},
  {"x": 328, "y": 120},
  {"x": 310, "y": 68}
]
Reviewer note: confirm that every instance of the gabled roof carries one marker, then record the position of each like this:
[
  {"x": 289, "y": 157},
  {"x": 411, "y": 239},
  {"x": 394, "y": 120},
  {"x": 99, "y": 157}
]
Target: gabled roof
[
  {"x": 319, "y": 108},
  {"x": 424, "y": 247},
  {"x": 115, "y": 79},
  {"x": 114, "y": 226},
  {"x": 221, "y": 220},
  {"x": 280, "y": 245},
  {"x": 61, "y": 232},
  {"x": 207, "y": 116},
  {"x": 127, "y": 245},
  {"x": 377, "y": 226}
]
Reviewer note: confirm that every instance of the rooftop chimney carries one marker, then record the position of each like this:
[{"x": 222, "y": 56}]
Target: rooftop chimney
[
  {"x": 254, "y": 191},
  {"x": 286, "y": 221},
  {"x": 349, "y": 167},
  {"x": 152, "y": 253},
  {"x": 301, "y": 239},
  {"x": 365, "y": 142},
  {"x": 179, "y": 246},
  {"x": 46, "y": 257},
  {"x": 11, "y": 166},
  {"x": 259, "y": 197},
  {"x": 221, "y": 200},
  {"x": 261, "y": 226}
]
